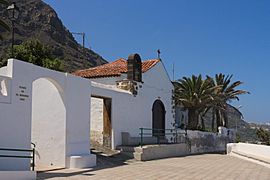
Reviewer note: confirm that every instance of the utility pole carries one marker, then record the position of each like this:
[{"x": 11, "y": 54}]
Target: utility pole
[
  {"x": 13, "y": 13},
  {"x": 83, "y": 41},
  {"x": 83, "y": 37},
  {"x": 173, "y": 71}
]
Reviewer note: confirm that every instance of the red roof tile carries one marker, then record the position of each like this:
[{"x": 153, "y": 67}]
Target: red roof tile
[{"x": 113, "y": 69}]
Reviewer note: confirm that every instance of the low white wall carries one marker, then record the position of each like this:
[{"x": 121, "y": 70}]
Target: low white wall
[
  {"x": 253, "y": 151},
  {"x": 150, "y": 152}
]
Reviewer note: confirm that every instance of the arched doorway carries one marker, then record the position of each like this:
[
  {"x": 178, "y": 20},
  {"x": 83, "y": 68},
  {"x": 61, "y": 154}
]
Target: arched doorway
[
  {"x": 48, "y": 123},
  {"x": 158, "y": 118}
]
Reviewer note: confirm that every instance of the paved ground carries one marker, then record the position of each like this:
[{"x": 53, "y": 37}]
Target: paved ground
[{"x": 209, "y": 166}]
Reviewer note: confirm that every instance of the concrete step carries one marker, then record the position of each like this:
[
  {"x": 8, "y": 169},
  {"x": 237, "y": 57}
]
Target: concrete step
[{"x": 126, "y": 148}]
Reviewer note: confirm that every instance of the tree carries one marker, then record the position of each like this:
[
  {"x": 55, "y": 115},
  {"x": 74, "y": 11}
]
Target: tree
[
  {"x": 263, "y": 136},
  {"x": 3, "y": 25},
  {"x": 33, "y": 51},
  {"x": 199, "y": 96},
  {"x": 195, "y": 94},
  {"x": 223, "y": 95}
]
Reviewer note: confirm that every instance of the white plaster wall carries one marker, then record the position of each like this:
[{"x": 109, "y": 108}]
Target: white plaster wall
[
  {"x": 15, "y": 116},
  {"x": 78, "y": 99},
  {"x": 158, "y": 84},
  {"x": 3, "y": 71},
  {"x": 259, "y": 154},
  {"x": 48, "y": 123},
  {"x": 254, "y": 150},
  {"x": 130, "y": 113},
  {"x": 96, "y": 131},
  {"x": 109, "y": 80}
]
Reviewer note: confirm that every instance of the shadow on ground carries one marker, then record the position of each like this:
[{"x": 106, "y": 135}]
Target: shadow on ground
[{"x": 105, "y": 159}]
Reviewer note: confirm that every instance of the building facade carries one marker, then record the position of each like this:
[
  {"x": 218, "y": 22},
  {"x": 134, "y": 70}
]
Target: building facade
[{"x": 128, "y": 95}]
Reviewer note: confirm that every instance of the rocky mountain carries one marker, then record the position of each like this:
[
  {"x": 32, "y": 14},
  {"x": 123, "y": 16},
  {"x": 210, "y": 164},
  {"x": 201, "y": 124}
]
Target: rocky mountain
[{"x": 37, "y": 20}]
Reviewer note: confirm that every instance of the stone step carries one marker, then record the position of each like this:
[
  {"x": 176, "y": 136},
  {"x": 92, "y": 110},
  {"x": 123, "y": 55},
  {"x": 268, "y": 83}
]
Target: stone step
[{"x": 126, "y": 148}]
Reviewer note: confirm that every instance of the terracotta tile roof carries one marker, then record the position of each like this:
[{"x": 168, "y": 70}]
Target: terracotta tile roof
[{"x": 113, "y": 69}]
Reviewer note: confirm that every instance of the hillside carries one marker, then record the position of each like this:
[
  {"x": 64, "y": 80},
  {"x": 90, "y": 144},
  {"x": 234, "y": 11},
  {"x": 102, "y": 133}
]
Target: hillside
[
  {"x": 38, "y": 20},
  {"x": 246, "y": 132}
]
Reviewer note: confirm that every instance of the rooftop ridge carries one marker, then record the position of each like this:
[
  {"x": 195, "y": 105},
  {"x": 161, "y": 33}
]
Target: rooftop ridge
[{"x": 115, "y": 68}]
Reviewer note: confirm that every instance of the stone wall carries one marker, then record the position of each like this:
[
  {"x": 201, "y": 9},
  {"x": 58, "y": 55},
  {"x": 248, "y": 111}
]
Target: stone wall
[
  {"x": 96, "y": 125},
  {"x": 196, "y": 142},
  {"x": 207, "y": 142}
]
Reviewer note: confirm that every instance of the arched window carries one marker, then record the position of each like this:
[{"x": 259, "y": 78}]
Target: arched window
[{"x": 134, "y": 68}]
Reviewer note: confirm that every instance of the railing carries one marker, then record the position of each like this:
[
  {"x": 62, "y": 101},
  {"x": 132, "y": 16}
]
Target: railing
[
  {"x": 32, "y": 156},
  {"x": 161, "y": 134}
]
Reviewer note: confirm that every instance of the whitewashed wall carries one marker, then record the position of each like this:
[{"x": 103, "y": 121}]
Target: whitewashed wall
[
  {"x": 66, "y": 125},
  {"x": 109, "y": 80},
  {"x": 252, "y": 150},
  {"x": 15, "y": 116},
  {"x": 130, "y": 113},
  {"x": 256, "y": 153},
  {"x": 78, "y": 100},
  {"x": 48, "y": 123}
]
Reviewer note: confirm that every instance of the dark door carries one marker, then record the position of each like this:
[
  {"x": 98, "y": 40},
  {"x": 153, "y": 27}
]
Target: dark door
[
  {"x": 107, "y": 124},
  {"x": 158, "y": 119}
]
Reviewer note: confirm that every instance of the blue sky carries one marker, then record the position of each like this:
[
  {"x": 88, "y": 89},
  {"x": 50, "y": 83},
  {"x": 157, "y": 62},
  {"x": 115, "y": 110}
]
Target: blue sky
[{"x": 199, "y": 37}]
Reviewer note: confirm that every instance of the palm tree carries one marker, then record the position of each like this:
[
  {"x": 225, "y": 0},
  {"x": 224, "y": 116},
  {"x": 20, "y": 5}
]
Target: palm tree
[
  {"x": 195, "y": 94},
  {"x": 2, "y": 23},
  {"x": 225, "y": 94}
]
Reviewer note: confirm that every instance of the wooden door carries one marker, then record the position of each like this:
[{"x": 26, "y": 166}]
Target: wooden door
[
  {"x": 107, "y": 124},
  {"x": 158, "y": 119}
]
